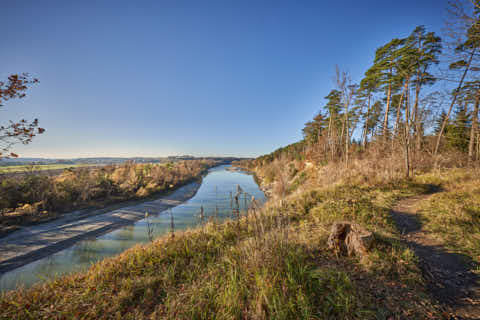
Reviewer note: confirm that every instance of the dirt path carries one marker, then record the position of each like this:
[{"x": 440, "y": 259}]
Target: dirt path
[
  {"x": 38, "y": 241},
  {"x": 448, "y": 275}
]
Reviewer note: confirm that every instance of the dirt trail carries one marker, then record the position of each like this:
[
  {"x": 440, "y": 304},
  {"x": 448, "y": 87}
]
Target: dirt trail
[
  {"x": 38, "y": 241},
  {"x": 449, "y": 275}
]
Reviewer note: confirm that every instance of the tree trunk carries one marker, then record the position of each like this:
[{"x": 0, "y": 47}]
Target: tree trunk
[
  {"x": 340, "y": 142},
  {"x": 364, "y": 137},
  {"x": 347, "y": 138},
  {"x": 387, "y": 110},
  {"x": 478, "y": 146},
  {"x": 329, "y": 140},
  {"x": 325, "y": 149},
  {"x": 407, "y": 137},
  {"x": 416, "y": 123},
  {"x": 365, "y": 126},
  {"x": 454, "y": 98},
  {"x": 397, "y": 119},
  {"x": 473, "y": 130}
]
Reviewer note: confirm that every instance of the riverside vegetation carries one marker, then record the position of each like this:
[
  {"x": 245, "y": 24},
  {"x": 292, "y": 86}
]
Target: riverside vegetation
[
  {"x": 373, "y": 144},
  {"x": 271, "y": 263},
  {"x": 33, "y": 197}
]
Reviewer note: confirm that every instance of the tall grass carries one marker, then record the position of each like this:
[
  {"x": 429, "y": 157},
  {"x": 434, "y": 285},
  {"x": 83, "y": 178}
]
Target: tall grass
[
  {"x": 453, "y": 215},
  {"x": 268, "y": 263}
]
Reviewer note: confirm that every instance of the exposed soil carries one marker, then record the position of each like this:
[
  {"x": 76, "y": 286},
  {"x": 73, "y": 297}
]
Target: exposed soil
[{"x": 449, "y": 275}]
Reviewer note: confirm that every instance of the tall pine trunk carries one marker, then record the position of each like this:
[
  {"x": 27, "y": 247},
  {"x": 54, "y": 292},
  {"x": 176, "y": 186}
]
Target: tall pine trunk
[
  {"x": 473, "y": 130},
  {"x": 387, "y": 110},
  {"x": 365, "y": 125},
  {"x": 397, "y": 119},
  {"x": 347, "y": 138},
  {"x": 329, "y": 140},
  {"x": 407, "y": 137},
  {"x": 416, "y": 121}
]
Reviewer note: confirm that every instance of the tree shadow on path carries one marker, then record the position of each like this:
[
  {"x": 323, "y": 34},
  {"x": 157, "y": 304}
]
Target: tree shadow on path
[{"x": 449, "y": 275}]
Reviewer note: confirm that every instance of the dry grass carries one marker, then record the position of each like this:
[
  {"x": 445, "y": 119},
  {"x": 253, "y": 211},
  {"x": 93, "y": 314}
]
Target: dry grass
[
  {"x": 453, "y": 215},
  {"x": 272, "y": 265},
  {"x": 36, "y": 198},
  {"x": 321, "y": 193}
]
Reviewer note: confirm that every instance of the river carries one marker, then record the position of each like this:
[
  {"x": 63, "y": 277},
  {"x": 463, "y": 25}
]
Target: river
[{"x": 214, "y": 195}]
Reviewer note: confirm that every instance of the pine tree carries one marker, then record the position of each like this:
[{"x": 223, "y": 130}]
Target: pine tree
[
  {"x": 458, "y": 132},
  {"x": 439, "y": 121},
  {"x": 333, "y": 109},
  {"x": 368, "y": 86},
  {"x": 314, "y": 129},
  {"x": 374, "y": 120},
  {"x": 384, "y": 69},
  {"x": 426, "y": 49}
]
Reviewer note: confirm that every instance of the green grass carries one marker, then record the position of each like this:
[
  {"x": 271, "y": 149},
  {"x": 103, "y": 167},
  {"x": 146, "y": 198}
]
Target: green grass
[
  {"x": 273, "y": 265},
  {"x": 42, "y": 167},
  {"x": 453, "y": 215}
]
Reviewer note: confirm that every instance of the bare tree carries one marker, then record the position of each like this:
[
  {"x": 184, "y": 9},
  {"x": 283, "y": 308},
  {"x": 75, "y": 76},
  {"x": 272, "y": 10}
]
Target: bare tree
[{"x": 347, "y": 90}]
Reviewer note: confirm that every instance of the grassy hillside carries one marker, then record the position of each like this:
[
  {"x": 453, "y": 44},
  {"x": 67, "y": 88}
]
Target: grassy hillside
[{"x": 272, "y": 264}]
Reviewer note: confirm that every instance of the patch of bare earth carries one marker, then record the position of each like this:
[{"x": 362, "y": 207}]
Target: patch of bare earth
[{"x": 449, "y": 275}]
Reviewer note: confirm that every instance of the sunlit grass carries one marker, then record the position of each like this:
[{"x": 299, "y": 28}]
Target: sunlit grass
[
  {"x": 453, "y": 215},
  {"x": 273, "y": 265}
]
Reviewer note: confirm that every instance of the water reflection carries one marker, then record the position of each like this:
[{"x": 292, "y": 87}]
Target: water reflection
[{"x": 215, "y": 195}]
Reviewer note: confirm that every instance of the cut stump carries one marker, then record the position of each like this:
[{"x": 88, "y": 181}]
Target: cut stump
[{"x": 350, "y": 238}]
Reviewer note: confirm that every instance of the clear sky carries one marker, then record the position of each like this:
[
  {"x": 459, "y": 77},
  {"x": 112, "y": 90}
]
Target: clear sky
[{"x": 157, "y": 78}]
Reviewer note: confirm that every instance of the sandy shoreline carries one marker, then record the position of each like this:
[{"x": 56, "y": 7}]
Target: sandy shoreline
[{"x": 35, "y": 242}]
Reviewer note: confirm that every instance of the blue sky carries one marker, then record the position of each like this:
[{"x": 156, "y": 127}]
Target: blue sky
[{"x": 157, "y": 78}]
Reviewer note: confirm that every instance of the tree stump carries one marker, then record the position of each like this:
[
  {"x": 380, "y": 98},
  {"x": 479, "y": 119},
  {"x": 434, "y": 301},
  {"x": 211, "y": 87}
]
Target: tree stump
[{"x": 350, "y": 238}]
